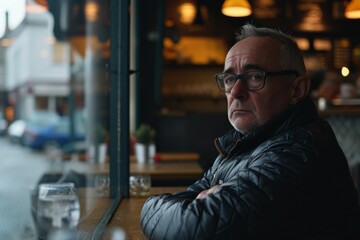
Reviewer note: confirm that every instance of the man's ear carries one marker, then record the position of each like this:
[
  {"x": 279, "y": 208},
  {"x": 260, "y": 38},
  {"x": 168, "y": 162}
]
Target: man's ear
[{"x": 300, "y": 88}]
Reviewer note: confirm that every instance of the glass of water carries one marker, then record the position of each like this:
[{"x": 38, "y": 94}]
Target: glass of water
[{"x": 57, "y": 207}]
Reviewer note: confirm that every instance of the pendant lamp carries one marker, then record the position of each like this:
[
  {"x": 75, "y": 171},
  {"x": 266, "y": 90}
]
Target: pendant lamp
[
  {"x": 352, "y": 10},
  {"x": 236, "y": 8}
]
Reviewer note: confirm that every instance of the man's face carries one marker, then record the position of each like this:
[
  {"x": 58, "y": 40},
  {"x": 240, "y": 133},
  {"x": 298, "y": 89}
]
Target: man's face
[{"x": 247, "y": 110}]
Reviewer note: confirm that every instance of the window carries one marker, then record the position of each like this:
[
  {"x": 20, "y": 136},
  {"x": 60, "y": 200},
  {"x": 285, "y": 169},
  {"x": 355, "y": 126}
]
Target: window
[{"x": 73, "y": 96}]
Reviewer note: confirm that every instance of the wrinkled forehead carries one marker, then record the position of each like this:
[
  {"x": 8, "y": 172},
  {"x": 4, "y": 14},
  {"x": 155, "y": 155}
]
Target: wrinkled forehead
[{"x": 261, "y": 51}]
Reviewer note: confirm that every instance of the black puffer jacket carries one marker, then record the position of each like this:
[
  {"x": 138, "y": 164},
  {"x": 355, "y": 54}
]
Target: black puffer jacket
[{"x": 287, "y": 180}]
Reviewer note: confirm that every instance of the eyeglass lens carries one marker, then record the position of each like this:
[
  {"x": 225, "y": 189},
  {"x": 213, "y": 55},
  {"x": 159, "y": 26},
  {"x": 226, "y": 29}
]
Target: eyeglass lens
[{"x": 253, "y": 80}]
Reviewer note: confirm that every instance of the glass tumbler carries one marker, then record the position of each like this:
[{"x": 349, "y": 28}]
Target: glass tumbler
[
  {"x": 102, "y": 185},
  {"x": 140, "y": 184},
  {"x": 57, "y": 207}
]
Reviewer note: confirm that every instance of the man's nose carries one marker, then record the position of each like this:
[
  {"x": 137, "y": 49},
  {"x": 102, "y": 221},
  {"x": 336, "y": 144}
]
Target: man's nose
[{"x": 238, "y": 89}]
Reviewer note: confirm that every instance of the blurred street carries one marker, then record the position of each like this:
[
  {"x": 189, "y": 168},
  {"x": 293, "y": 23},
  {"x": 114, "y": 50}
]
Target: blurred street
[{"x": 20, "y": 169}]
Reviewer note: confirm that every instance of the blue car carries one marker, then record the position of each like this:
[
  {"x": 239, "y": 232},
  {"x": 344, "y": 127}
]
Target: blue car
[{"x": 52, "y": 134}]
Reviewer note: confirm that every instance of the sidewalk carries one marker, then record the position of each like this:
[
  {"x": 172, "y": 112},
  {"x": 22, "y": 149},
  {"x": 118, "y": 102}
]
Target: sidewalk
[{"x": 20, "y": 169}]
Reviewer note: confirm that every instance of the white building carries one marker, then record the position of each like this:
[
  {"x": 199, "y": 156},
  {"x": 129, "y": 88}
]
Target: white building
[{"x": 34, "y": 67}]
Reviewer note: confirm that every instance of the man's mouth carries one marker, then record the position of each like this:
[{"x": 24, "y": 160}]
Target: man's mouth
[{"x": 239, "y": 111}]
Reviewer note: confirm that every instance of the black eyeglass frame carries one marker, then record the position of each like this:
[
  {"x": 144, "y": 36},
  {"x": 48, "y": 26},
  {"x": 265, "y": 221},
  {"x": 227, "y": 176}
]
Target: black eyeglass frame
[{"x": 264, "y": 73}]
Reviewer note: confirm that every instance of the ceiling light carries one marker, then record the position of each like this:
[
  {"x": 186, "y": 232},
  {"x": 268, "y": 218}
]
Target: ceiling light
[
  {"x": 187, "y": 13},
  {"x": 92, "y": 11},
  {"x": 353, "y": 9},
  {"x": 236, "y": 8}
]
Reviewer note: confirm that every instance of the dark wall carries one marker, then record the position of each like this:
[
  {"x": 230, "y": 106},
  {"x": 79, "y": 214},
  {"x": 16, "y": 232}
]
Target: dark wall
[
  {"x": 193, "y": 132},
  {"x": 149, "y": 53}
]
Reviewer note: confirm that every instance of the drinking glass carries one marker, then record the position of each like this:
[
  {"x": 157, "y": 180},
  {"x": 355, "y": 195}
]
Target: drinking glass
[
  {"x": 57, "y": 207},
  {"x": 102, "y": 184},
  {"x": 140, "y": 184}
]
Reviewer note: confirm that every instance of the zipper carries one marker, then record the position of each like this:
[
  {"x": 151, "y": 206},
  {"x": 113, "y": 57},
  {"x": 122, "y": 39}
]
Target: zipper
[
  {"x": 221, "y": 163},
  {"x": 216, "y": 171}
]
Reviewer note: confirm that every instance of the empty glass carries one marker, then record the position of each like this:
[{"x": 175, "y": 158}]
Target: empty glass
[
  {"x": 57, "y": 207},
  {"x": 102, "y": 184},
  {"x": 140, "y": 184}
]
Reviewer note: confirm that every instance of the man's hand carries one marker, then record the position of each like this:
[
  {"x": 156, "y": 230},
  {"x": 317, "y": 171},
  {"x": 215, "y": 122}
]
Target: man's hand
[{"x": 205, "y": 193}]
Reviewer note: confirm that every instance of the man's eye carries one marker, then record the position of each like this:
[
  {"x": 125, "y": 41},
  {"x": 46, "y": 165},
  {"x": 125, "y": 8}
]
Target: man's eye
[
  {"x": 254, "y": 76},
  {"x": 229, "y": 79}
]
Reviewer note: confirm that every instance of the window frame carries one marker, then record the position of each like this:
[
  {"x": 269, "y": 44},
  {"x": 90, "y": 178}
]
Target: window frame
[{"x": 118, "y": 74}]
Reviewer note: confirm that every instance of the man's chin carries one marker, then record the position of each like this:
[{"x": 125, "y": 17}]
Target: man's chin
[
  {"x": 242, "y": 128},
  {"x": 239, "y": 129}
]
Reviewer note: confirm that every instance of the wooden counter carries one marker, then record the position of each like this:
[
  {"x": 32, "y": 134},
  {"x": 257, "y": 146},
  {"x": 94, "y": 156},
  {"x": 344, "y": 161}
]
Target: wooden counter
[
  {"x": 127, "y": 216},
  {"x": 92, "y": 208},
  {"x": 340, "y": 107},
  {"x": 168, "y": 171},
  {"x": 340, "y": 111},
  {"x": 158, "y": 171},
  {"x": 173, "y": 157}
]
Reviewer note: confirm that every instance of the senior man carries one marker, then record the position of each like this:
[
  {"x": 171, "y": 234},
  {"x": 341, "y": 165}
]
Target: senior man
[{"x": 280, "y": 173}]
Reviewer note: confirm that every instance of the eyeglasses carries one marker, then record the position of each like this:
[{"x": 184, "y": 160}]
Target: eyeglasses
[{"x": 253, "y": 80}]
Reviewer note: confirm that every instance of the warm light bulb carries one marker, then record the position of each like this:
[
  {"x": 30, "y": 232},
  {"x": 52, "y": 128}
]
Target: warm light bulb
[
  {"x": 236, "y": 8},
  {"x": 91, "y": 11},
  {"x": 345, "y": 71},
  {"x": 187, "y": 13},
  {"x": 353, "y": 9}
]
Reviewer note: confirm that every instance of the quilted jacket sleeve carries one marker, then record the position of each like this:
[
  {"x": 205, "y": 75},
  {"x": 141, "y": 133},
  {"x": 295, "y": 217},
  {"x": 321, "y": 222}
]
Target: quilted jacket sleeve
[
  {"x": 170, "y": 217},
  {"x": 244, "y": 199}
]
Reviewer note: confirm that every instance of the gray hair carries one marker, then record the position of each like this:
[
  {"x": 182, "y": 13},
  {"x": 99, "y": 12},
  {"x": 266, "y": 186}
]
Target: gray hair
[{"x": 291, "y": 56}]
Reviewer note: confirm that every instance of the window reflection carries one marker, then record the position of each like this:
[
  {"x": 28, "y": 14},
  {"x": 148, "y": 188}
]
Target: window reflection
[{"x": 54, "y": 105}]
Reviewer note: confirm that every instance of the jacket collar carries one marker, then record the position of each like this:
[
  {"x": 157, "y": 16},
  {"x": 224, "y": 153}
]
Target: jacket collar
[{"x": 303, "y": 112}]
